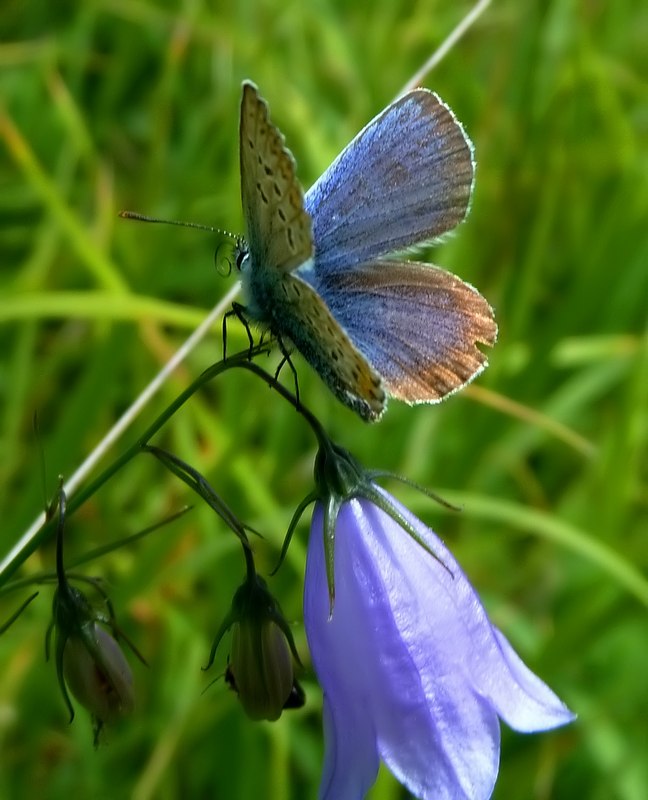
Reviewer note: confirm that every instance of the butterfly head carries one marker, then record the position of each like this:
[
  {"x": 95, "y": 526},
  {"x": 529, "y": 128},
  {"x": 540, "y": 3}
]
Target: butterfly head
[{"x": 250, "y": 278}]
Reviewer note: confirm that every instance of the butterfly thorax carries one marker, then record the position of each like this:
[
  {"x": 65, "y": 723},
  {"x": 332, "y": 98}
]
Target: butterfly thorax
[{"x": 260, "y": 288}]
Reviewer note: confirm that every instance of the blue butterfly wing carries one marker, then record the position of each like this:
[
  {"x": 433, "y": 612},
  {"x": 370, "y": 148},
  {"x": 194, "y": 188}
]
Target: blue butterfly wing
[
  {"x": 417, "y": 325},
  {"x": 405, "y": 178}
]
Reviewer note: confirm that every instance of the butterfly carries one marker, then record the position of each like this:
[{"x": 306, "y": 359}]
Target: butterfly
[{"x": 316, "y": 269}]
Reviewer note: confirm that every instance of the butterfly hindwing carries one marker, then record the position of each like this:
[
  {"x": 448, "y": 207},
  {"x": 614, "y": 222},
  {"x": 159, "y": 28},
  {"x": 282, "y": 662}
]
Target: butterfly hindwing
[
  {"x": 417, "y": 325},
  {"x": 405, "y": 179},
  {"x": 309, "y": 324}
]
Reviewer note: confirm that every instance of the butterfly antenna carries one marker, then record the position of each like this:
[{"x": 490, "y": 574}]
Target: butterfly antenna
[
  {"x": 180, "y": 223},
  {"x": 218, "y": 260}
]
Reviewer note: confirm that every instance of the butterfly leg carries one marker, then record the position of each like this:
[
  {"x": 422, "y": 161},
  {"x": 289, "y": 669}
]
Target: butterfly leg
[
  {"x": 286, "y": 359},
  {"x": 238, "y": 311}
]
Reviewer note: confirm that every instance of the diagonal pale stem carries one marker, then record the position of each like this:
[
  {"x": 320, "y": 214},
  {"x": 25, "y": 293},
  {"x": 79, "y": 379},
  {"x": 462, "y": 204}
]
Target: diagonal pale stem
[{"x": 446, "y": 45}]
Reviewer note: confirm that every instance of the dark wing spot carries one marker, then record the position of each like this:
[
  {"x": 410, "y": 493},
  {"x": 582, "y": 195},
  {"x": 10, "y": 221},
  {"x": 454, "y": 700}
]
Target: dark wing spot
[{"x": 261, "y": 192}]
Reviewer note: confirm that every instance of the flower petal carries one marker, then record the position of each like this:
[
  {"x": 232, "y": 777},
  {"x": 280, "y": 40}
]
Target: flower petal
[
  {"x": 351, "y": 757},
  {"x": 540, "y": 709},
  {"x": 459, "y": 620}
]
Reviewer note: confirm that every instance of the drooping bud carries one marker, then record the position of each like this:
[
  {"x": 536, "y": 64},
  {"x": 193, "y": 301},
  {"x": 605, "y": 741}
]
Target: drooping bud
[
  {"x": 89, "y": 661},
  {"x": 260, "y": 668},
  {"x": 98, "y": 675}
]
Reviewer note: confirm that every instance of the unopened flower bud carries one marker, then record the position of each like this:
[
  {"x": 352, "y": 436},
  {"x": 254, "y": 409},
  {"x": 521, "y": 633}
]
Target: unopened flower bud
[
  {"x": 260, "y": 668},
  {"x": 98, "y": 675},
  {"x": 88, "y": 659}
]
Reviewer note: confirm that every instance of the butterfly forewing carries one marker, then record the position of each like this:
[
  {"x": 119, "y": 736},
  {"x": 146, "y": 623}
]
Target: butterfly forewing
[
  {"x": 279, "y": 230},
  {"x": 405, "y": 179}
]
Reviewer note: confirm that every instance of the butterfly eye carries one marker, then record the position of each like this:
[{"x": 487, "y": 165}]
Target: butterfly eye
[{"x": 242, "y": 253}]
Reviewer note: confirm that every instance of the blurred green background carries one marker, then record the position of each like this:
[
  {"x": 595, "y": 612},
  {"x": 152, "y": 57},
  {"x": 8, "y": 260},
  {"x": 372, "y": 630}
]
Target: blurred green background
[{"x": 118, "y": 104}]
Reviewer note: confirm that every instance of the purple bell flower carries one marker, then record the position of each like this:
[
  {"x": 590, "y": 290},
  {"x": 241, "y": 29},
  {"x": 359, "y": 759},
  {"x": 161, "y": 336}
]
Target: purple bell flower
[{"x": 413, "y": 671}]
